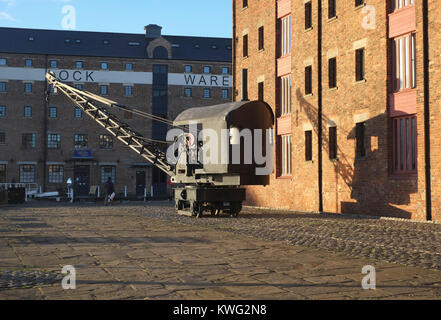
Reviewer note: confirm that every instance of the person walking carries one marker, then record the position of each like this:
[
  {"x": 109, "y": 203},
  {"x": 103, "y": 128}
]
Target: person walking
[{"x": 110, "y": 192}]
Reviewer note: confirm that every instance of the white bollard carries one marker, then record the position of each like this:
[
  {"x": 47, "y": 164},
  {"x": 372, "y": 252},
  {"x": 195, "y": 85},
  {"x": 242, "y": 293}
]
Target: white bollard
[
  {"x": 145, "y": 194},
  {"x": 99, "y": 191},
  {"x": 125, "y": 192}
]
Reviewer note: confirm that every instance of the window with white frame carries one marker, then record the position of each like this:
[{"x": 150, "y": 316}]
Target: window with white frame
[
  {"x": 2, "y": 86},
  {"x": 404, "y": 62},
  {"x": 285, "y": 41},
  {"x": 128, "y": 91},
  {"x": 285, "y": 95},
  {"x": 286, "y": 158},
  {"x": 225, "y": 94},
  {"x": 3, "y": 62},
  {"x": 56, "y": 174},
  {"x": 78, "y": 113},
  {"x": 2, "y": 111},
  {"x": 27, "y": 173},
  {"x": 29, "y": 140},
  {"x": 207, "y": 93},
  {"x": 398, "y": 4},
  {"x": 28, "y": 112},
  {"x": 81, "y": 141},
  {"x": 53, "y": 141},
  {"x": 108, "y": 172},
  {"x": 187, "y": 92}
]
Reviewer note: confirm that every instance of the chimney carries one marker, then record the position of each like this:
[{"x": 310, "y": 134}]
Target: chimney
[{"x": 152, "y": 31}]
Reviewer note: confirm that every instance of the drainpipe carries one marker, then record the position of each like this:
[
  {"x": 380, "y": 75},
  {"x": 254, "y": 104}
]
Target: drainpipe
[
  {"x": 427, "y": 111},
  {"x": 45, "y": 124},
  {"x": 233, "y": 93},
  {"x": 320, "y": 105}
]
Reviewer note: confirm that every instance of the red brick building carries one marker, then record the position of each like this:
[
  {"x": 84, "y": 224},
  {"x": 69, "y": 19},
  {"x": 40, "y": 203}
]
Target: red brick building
[{"x": 355, "y": 87}]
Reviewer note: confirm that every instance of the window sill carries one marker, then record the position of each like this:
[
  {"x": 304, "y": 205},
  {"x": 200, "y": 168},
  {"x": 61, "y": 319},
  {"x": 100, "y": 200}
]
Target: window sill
[
  {"x": 284, "y": 178},
  {"x": 307, "y": 30},
  {"x": 360, "y": 6},
  {"x": 333, "y": 89},
  {"x": 332, "y": 19},
  {"x": 309, "y": 161},
  {"x": 243, "y": 58},
  {"x": 308, "y": 95},
  {"x": 333, "y": 160},
  {"x": 261, "y": 50},
  {"x": 360, "y": 81}
]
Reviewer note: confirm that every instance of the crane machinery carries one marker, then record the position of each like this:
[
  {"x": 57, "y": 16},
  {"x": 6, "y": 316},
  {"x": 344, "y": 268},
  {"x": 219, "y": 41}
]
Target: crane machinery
[{"x": 217, "y": 132}]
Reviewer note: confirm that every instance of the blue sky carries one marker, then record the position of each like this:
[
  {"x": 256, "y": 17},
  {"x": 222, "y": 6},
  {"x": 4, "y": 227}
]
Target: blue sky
[{"x": 177, "y": 17}]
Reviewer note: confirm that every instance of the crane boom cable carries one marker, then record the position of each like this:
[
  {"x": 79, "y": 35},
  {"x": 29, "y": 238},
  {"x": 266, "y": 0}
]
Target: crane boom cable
[{"x": 122, "y": 131}]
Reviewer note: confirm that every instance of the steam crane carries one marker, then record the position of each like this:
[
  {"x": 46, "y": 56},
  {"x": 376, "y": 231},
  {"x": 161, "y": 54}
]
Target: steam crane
[{"x": 214, "y": 186}]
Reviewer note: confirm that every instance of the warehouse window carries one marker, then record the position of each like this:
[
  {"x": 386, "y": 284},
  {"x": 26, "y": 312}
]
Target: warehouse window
[
  {"x": 359, "y": 64},
  {"x": 261, "y": 38},
  {"x": 332, "y": 11},
  {"x": 27, "y": 173},
  {"x": 28, "y": 87},
  {"x": 225, "y": 70},
  {"x": 187, "y": 92},
  {"x": 405, "y": 144},
  {"x": 332, "y": 143},
  {"x": 285, "y": 34},
  {"x": 56, "y": 174},
  {"x": 129, "y": 66},
  {"x": 207, "y": 93},
  {"x": 79, "y": 86},
  {"x": 207, "y": 69},
  {"x": 2, "y": 86},
  {"x": 244, "y": 84},
  {"x": 52, "y": 112},
  {"x": 260, "y": 91},
  {"x": 2, "y": 173},
  {"x": 106, "y": 141},
  {"x": 187, "y": 69},
  {"x": 28, "y": 140},
  {"x": 78, "y": 113},
  {"x": 3, "y": 62},
  {"x": 308, "y": 15},
  {"x": 108, "y": 172},
  {"x": 286, "y": 155},
  {"x": 53, "y": 64},
  {"x": 128, "y": 90},
  {"x": 80, "y": 141},
  {"x": 308, "y": 80},
  {"x": 359, "y": 2},
  {"x": 104, "y": 66},
  {"x": 245, "y": 45},
  {"x": 2, "y": 138},
  {"x": 104, "y": 90},
  {"x": 2, "y": 111},
  {"x": 398, "y": 4},
  {"x": 79, "y": 64},
  {"x": 404, "y": 62},
  {"x": 360, "y": 151},
  {"x": 308, "y": 145},
  {"x": 28, "y": 63},
  {"x": 53, "y": 141},
  {"x": 225, "y": 94},
  {"x": 285, "y": 95},
  {"x": 332, "y": 63}
]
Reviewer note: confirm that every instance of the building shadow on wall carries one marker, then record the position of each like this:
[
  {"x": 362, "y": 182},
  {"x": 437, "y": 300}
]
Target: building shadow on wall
[{"x": 370, "y": 194}]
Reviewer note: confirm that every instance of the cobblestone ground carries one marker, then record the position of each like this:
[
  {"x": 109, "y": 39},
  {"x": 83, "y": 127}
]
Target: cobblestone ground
[
  {"x": 137, "y": 251},
  {"x": 402, "y": 242}
]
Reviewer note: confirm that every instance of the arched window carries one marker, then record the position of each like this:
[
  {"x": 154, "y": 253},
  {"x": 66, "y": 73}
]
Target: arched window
[{"x": 160, "y": 53}]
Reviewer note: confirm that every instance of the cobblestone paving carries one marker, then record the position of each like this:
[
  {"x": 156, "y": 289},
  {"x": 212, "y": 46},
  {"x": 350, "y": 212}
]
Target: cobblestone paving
[
  {"x": 135, "y": 251},
  {"x": 24, "y": 279},
  {"x": 402, "y": 242}
]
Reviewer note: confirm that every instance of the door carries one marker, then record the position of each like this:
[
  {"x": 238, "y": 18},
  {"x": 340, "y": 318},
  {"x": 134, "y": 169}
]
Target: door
[
  {"x": 159, "y": 183},
  {"x": 82, "y": 181},
  {"x": 140, "y": 183}
]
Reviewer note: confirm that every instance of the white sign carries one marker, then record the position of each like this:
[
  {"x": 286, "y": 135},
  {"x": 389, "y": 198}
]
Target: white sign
[{"x": 99, "y": 76}]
